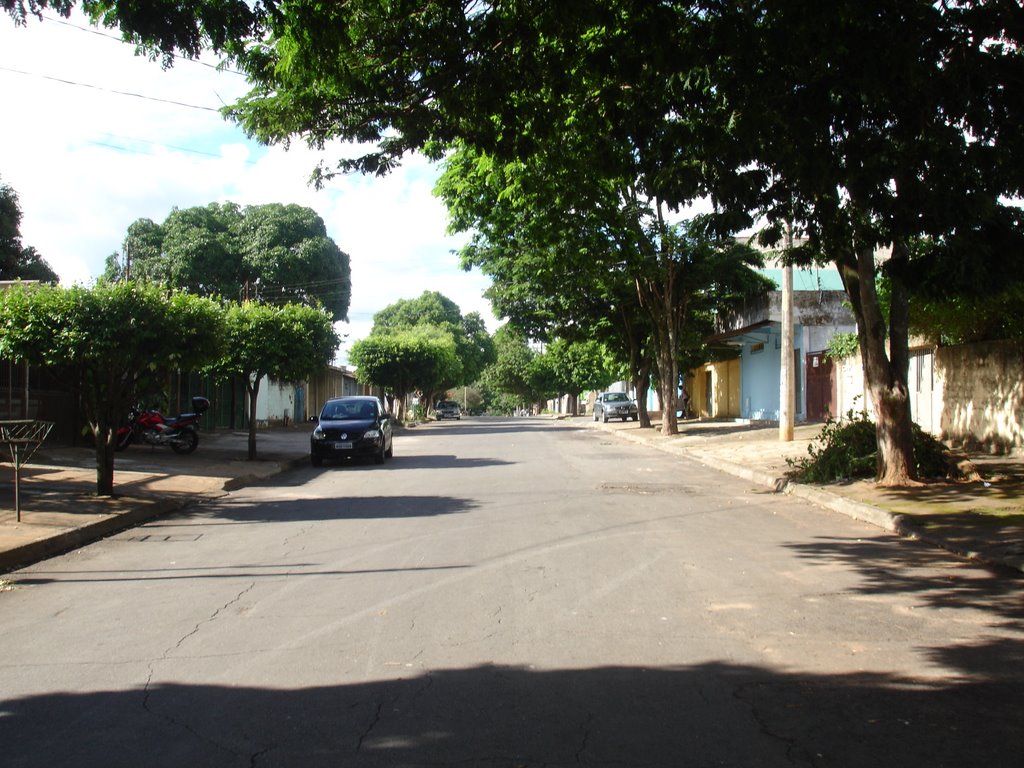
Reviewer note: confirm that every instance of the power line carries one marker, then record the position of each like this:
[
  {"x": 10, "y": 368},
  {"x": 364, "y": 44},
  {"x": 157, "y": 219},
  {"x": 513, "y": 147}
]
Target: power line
[
  {"x": 122, "y": 41},
  {"x": 108, "y": 90}
]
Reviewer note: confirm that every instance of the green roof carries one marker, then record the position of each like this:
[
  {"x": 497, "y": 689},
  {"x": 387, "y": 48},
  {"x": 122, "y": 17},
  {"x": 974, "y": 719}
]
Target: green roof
[{"x": 808, "y": 279}]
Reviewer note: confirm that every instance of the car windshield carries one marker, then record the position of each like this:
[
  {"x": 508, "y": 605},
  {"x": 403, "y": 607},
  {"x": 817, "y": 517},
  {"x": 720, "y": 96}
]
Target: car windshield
[
  {"x": 347, "y": 411},
  {"x": 617, "y": 397}
]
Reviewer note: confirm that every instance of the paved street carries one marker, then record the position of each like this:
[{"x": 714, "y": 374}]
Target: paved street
[{"x": 510, "y": 593}]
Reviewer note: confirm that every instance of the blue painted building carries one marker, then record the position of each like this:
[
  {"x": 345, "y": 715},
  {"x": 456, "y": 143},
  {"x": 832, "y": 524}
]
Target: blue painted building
[{"x": 819, "y": 312}]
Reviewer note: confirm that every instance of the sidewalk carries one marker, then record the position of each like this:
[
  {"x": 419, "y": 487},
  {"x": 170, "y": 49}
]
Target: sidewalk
[
  {"x": 60, "y": 511},
  {"x": 982, "y": 520}
]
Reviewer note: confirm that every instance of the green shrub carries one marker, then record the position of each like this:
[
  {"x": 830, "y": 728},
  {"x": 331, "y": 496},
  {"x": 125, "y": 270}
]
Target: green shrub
[{"x": 846, "y": 449}]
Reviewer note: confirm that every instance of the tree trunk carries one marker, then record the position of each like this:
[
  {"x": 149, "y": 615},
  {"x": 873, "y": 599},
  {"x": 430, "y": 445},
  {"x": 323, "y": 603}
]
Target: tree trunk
[
  {"x": 642, "y": 385},
  {"x": 252, "y": 389},
  {"x": 659, "y": 304},
  {"x": 886, "y": 378},
  {"x": 104, "y": 438},
  {"x": 666, "y": 393}
]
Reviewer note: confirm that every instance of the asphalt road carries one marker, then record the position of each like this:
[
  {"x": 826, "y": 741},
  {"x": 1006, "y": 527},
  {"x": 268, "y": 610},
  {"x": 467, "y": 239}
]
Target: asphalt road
[{"x": 510, "y": 593}]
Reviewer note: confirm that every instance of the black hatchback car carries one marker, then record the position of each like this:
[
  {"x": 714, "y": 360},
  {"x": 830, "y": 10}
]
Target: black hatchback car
[{"x": 352, "y": 426}]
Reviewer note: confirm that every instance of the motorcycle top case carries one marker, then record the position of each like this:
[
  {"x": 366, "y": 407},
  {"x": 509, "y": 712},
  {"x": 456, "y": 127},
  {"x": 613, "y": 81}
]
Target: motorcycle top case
[{"x": 200, "y": 405}]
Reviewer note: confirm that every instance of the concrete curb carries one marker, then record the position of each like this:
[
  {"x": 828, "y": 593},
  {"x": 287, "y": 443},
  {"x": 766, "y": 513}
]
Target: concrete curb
[
  {"x": 152, "y": 508},
  {"x": 866, "y": 513},
  {"x": 243, "y": 481},
  {"x": 73, "y": 538}
]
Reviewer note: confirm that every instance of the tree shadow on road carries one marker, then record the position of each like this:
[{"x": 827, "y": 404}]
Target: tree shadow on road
[
  {"x": 996, "y": 592},
  {"x": 339, "y": 508},
  {"x": 703, "y": 715}
]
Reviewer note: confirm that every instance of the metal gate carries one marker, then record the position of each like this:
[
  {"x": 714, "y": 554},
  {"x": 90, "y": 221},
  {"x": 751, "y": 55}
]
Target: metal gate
[{"x": 822, "y": 393}]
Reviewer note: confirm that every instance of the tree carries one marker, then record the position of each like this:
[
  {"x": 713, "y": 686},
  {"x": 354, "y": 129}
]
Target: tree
[
  {"x": 515, "y": 371},
  {"x": 115, "y": 339},
  {"x": 272, "y": 253},
  {"x": 288, "y": 343},
  {"x": 18, "y": 262},
  {"x": 579, "y": 366},
  {"x": 558, "y": 271},
  {"x": 405, "y": 359},
  {"x": 474, "y": 349},
  {"x": 863, "y": 150},
  {"x": 541, "y": 224}
]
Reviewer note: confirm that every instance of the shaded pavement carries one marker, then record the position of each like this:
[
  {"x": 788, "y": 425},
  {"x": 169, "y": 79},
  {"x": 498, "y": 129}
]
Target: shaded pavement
[{"x": 982, "y": 519}]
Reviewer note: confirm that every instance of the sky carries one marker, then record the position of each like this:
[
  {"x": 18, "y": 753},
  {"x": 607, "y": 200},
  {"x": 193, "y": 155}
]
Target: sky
[{"x": 93, "y": 137}]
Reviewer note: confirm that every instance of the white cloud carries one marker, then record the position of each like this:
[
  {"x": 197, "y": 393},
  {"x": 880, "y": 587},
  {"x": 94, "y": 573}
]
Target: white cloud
[{"x": 86, "y": 162}]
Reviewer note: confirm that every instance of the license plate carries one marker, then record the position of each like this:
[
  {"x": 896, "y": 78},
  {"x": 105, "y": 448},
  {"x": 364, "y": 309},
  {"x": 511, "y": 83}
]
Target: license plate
[{"x": 343, "y": 446}]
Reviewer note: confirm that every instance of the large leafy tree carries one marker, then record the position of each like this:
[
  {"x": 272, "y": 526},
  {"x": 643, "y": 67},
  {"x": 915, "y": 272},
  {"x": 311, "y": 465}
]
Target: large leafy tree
[
  {"x": 514, "y": 371},
  {"x": 288, "y": 342},
  {"x": 474, "y": 349},
  {"x": 114, "y": 339},
  {"x": 877, "y": 123},
  {"x": 597, "y": 252},
  {"x": 17, "y": 261},
  {"x": 405, "y": 359},
  {"x": 272, "y": 253},
  {"x": 579, "y": 366},
  {"x": 558, "y": 270}
]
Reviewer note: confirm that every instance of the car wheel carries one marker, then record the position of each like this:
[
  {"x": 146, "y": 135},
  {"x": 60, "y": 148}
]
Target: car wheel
[
  {"x": 390, "y": 452},
  {"x": 595, "y": 415},
  {"x": 604, "y": 417},
  {"x": 316, "y": 461},
  {"x": 378, "y": 458},
  {"x": 635, "y": 417}
]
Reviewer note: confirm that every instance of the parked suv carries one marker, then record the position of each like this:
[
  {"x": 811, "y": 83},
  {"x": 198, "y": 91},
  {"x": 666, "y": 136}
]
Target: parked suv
[
  {"x": 447, "y": 409},
  {"x": 615, "y": 405}
]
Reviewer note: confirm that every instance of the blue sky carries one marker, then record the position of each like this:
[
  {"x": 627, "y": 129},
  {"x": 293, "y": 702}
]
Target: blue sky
[{"x": 86, "y": 160}]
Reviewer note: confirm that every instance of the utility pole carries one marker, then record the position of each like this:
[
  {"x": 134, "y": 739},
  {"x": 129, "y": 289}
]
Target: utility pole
[{"x": 787, "y": 391}]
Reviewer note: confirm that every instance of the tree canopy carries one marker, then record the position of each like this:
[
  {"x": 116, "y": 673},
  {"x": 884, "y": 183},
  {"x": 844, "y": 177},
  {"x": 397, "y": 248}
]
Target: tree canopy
[
  {"x": 471, "y": 343},
  {"x": 404, "y": 360},
  {"x": 114, "y": 339},
  {"x": 17, "y": 261},
  {"x": 272, "y": 253},
  {"x": 288, "y": 342},
  {"x": 580, "y": 257}
]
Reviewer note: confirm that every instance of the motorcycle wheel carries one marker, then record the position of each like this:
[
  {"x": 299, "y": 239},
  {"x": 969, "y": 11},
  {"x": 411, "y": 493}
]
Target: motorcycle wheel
[
  {"x": 122, "y": 440},
  {"x": 186, "y": 441}
]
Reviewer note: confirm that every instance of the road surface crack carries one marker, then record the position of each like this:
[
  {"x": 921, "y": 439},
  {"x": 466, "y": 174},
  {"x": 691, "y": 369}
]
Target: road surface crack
[
  {"x": 794, "y": 753},
  {"x": 369, "y": 728},
  {"x": 147, "y": 689},
  {"x": 210, "y": 618}
]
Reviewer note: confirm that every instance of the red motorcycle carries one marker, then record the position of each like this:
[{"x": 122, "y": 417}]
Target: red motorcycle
[{"x": 153, "y": 427}]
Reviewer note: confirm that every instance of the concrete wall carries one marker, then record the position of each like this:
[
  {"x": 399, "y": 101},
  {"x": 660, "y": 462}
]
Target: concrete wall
[
  {"x": 967, "y": 395},
  {"x": 980, "y": 394},
  {"x": 275, "y": 403},
  {"x": 810, "y": 308}
]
